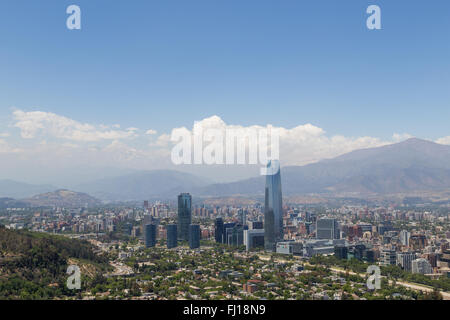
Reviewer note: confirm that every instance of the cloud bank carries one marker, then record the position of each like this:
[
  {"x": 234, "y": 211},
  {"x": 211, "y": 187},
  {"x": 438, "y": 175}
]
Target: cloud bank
[{"x": 48, "y": 139}]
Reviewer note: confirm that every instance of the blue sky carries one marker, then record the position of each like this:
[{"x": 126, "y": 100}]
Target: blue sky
[{"x": 164, "y": 64}]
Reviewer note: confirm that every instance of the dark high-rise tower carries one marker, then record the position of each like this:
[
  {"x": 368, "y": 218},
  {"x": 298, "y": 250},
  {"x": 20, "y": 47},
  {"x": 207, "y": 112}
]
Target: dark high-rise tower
[
  {"x": 273, "y": 207},
  {"x": 194, "y": 236},
  {"x": 172, "y": 236},
  {"x": 184, "y": 215},
  {"x": 219, "y": 230},
  {"x": 150, "y": 235}
]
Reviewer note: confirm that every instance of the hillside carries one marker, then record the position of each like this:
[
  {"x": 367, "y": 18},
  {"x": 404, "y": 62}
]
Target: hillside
[
  {"x": 33, "y": 265},
  {"x": 11, "y": 203},
  {"x": 62, "y": 198}
]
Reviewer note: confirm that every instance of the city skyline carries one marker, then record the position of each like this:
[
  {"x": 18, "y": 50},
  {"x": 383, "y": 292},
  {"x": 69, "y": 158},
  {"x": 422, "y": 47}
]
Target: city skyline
[{"x": 225, "y": 154}]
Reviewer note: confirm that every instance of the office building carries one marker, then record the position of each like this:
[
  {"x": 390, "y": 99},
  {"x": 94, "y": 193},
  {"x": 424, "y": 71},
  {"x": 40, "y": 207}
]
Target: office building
[
  {"x": 219, "y": 230},
  {"x": 253, "y": 238},
  {"x": 405, "y": 259},
  {"x": 255, "y": 225},
  {"x": 388, "y": 257},
  {"x": 404, "y": 237},
  {"x": 326, "y": 247},
  {"x": 290, "y": 247},
  {"x": 184, "y": 216},
  {"x": 242, "y": 216},
  {"x": 418, "y": 241},
  {"x": 421, "y": 266},
  {"x": 194, "y": 236},
  {"x": 273, "y": 207},
  {"x": 228, "y": 232},
  {"x": 150, "y": 235},
  {"x": 172, "y": 236},
  {"x": 327, "y": 229},
  {"x": 341, "y": 252}
]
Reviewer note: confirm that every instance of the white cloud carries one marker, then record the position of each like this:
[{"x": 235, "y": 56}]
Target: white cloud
[
  {"x": 444, "y": 140},
  {"x": 62, "y": 141},
  {"x": 300, "y": 145},
  {"x": 163, "y": 141},
  {"x": 398, "y": 137},
  {"x": 37, "y": 123},
  {"x": 6, "y": 148},
  {"x": 150, "y": 132}
]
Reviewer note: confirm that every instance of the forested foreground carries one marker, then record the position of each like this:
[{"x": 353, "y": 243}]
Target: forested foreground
[{"x": 33, "y": 265}]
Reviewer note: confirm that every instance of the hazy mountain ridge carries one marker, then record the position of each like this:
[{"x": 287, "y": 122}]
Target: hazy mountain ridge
[
  {"x": 11, "y": 203},
  {"x": 18, "y": 190},
  {"x": 143, "y": 185},
  {"x": 410, "y": 165},
  {"x": 62, "y": 198}
]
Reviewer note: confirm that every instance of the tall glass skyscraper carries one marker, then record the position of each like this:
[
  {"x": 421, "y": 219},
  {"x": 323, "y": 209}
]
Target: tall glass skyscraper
[
  {"x": 184, "y": 215},
  {"x": 273, "y": 207}
]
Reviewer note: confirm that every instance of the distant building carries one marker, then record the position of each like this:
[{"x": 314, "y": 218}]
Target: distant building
[
  {"x": 384, "y": 227},
  {"x": 404, "y": 237},
  {"x": 358, "y": 251},
  {"x": 369, "y": 255},
  {"x": 128, "y": 227},
  {"x": 194, "y": 236},
  {"x": 327, "y": 229},
  {"x": 417, "y": 241},
  {"x": 290, "y": 247},
  {"x": 421, "y": 266},
  {"x": 253, "y": 238},
  {"x": 150, "y": 235},
  {"x": 388, "y": 257},
  {"x": 184, "y": 216},
  {"x": 228, "y": 232},
  {"x": 242, "y": 216},
  {"x": 234, "y": 234},
  {"x": 172, "y": 236},
  {"x": 136, "y": 231},
  {"x": 405, "y": 259},
  {"x": 256, "y": 225},
  {"x": 341, "y": 252},
  {"x": 444, "y": 258},
  {"x": 321, "y": 246}
]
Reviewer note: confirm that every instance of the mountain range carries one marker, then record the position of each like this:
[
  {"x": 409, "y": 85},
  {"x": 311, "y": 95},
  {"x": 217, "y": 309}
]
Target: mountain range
[
  {"x": 411, "y": 165},
  {"x": 18, "y": 190},
  {"x": 143, "y": 185}
]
